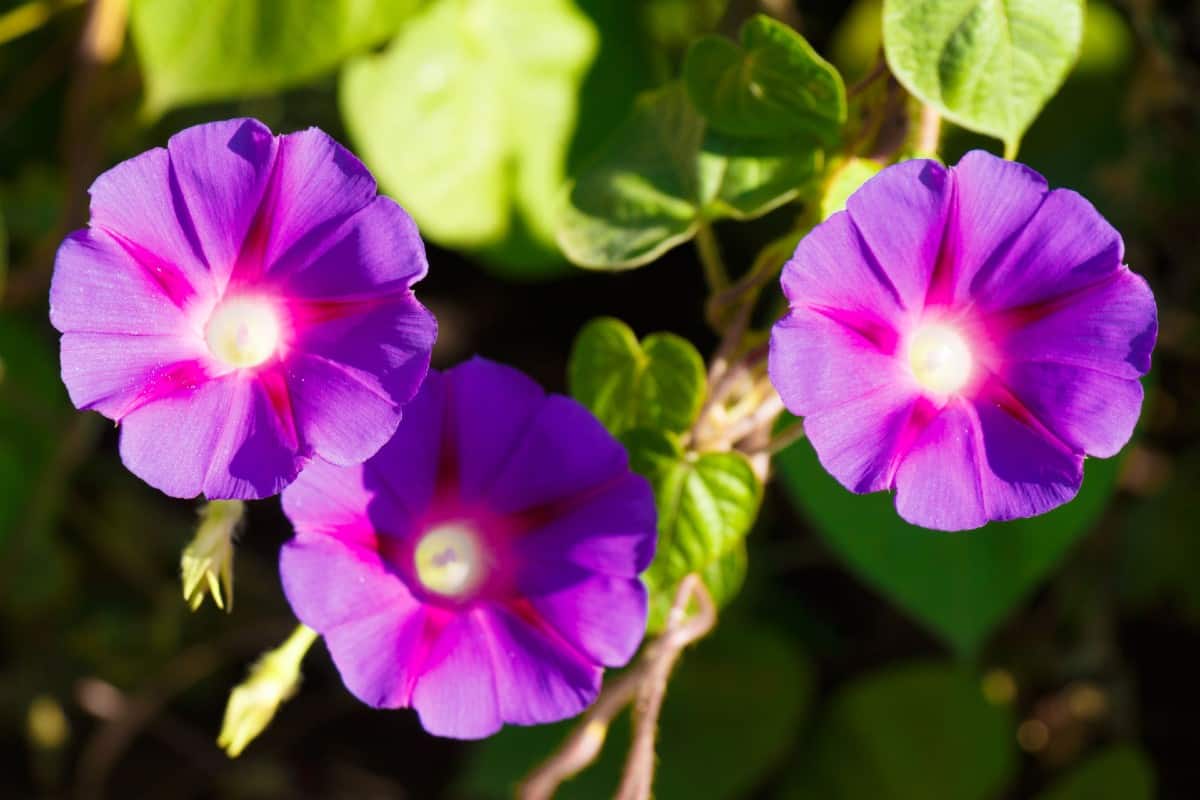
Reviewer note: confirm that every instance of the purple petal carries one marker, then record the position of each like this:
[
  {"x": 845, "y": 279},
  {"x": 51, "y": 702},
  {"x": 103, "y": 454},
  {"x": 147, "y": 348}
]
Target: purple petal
[
  {"x": 994, "y": 200},
  {"x": 139, "y": 202},
  {"x": 342, "y": 502},
  {"x": 1065, "y": 247},
  {"x": 901, "y": 213},
  {"x": 317, "y": 184},
  {"x": 406, "y": 468},
  {"x": 340, "y": 411},
  {"x": 491, "y": 407},
  {"x": 612, "y": 532},
  {"x": 1091, "y": 411},
  {"x": 221, "y": 438},
  {"x": 980, "y": 463},
  {"x": 373, "y": 627},
  {"x": 1109, "y": 327},
  {"x": 377, "y": 249},
  {"x": 222, "y": 169},
  {"x": 833, "y": 269},
  {"x": 116, "y": 373},
  {"x": 539, "y": 678},
  {"x": 564, "y": 452},
  {"x": 818, "y": 362},
  {"x": 600, "y": 615},
  {"x": 99, "y": 287},
  {"x": 456, "y": 695}
]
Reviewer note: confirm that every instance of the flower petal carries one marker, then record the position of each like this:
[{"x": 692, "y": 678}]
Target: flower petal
[
  {"x": 222, "y": 169},
  {"x": 994, "y": 200},
  {"x": 600, "y": 615},
  {"x": 539, "y": 678},
  {"x": 456, "y": 694},
  {"x": 937, "y": 483},
  {"x": 221, "y": 437},
  {"x": 376, "y": 249},
  {"x": 1064, "y": 247},
  {"x": 612, "y": 532},
  {"x": 563, "y": 453},
  {"x": 1109, "y": 327},
  {"x": 343, "y": 502},
  {"x": 116, "y": 373},
  {"x": 902, "y": 214}
]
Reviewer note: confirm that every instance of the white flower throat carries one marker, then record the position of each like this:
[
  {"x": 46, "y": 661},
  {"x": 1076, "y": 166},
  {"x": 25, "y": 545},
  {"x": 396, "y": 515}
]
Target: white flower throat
[
  {"x": 940, "y": 358},
  {"x": 243, "y": 331},
  {"x": 449, "y": 560}
]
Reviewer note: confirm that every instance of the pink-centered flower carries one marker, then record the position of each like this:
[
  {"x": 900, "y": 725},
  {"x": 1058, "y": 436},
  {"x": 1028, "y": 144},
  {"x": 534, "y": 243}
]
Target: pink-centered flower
[
  {"x": 239, "y": 303},
  {"x": 483, "y": 567},
  {"x": 964, "y": 337}
]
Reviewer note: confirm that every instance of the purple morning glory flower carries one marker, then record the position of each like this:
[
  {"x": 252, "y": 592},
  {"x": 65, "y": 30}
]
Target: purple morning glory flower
[
  {"x": 966, "y": 337},
  {"x": 483, "y": 567},
  {"x": 238, "y": 303}
]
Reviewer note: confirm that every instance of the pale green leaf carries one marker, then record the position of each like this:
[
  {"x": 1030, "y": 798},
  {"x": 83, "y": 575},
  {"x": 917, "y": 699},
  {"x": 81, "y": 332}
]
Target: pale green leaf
[
  {"x": 774, "y": 85},
  {"x": 202, "y": 50},
  {"x": 467, "y": 116},
  {"x": 658, "y": 383},
  {"x": 988, "y": 65}
]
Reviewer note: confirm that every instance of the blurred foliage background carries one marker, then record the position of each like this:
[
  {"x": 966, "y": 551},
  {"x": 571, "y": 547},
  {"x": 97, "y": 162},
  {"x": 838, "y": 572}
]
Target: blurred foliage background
[{"x": 1053, "y": 659}]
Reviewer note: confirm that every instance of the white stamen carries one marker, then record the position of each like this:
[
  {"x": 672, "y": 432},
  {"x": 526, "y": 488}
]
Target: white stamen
[
  {"x": 940, "y": 358},
  {"x": 243, "y": 331},
  {"x": 449, "y": 560}
]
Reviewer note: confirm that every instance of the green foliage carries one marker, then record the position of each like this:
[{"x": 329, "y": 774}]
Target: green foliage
[
  {"x": 467, "y": 117},
  {"x": 1118, "y": 773},
  {"x": 202, "y": 50},
  {"x": 960, "y": 585},
  {"x": 746, "y": 684},
  {"x": 706, "y": 504},
  {"x": 908, "y": 733},
  {"x": 988, "y": 66},
  {"x": 663, "y": 174},
  {"x": 774, "y": 85},
  {"x": 844, "y": 181},
  {"x": 657, "y": 384}
]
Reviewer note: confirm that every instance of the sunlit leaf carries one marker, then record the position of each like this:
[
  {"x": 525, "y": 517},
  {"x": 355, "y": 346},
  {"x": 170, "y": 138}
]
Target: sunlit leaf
[
  {"x": 201, "y": 50},
  {"x": 773, "y": 85},
  {"x": 989, "y": 66}
]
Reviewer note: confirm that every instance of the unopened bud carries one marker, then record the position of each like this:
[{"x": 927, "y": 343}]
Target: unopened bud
[{"x": 207, "y": 563}]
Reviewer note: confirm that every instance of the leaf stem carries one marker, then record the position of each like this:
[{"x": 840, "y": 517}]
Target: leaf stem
[
  {"x": 715, "y": 273},
  {"x": 929, "y": 131}
]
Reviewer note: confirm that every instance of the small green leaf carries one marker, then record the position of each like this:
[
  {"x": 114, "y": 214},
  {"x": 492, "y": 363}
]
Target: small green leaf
[
  {"x": 908, "y": 733},
  {"x": 745, "y": 677},
  {"x": 960, "y": 585},
  {"x": 467, "y": 116},
  {"x": 988, "y": 65},
  {"x": 706, "y": 505},
  {"x": 662, "y": 175},
  {"x": 774, "y": 85},
  {"x": 1119, "y": 773},
  {"x": 844, "y": 181},
  {"x": 657, "y": 384},
  {"x": 201, "y": 50}
]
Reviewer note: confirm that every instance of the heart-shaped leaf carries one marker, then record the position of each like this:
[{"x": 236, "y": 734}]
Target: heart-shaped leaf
[
  {"x": 913, "y": 732},
  {"x": 774, "y": 85},
  {"x": 988, "y": 65},
  {"x": 466, "y": 118},
  {"x": 663, "y": 174},
  {"x": 960, "y": 585},
  {"x": 202, "y": 50},
  {"x": 657, "y": 384},
  {"x": 706, "y": 505}
]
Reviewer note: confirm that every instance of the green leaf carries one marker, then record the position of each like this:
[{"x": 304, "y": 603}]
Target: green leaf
[
  {"x": 706, "y": 505},
  {"x": 960, "y": 585},
  {"x": 467, "y": 116},
  {"x": 662, "y": 175},
  {"x": 774, "y": 85},
  {"x": 658, "y": 384},
  {"x": 202, "y": 50},
  {"x": 845, "y": 181},
  {"x": 1119, "y": 773},
  {"x": 908, "y": 733},
  {"x": 988, "y": 65},
  {"x": 745, "y": 677}
]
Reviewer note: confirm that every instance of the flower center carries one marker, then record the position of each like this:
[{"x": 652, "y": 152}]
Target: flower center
[
  {"x": 243, "y": 331},
  {"x": 449, "y": 560},
  {"x": 940, "y": 358}
]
